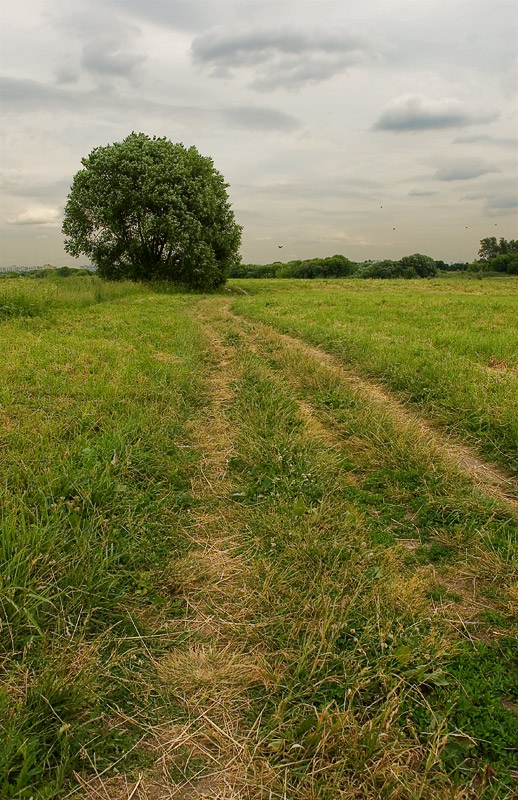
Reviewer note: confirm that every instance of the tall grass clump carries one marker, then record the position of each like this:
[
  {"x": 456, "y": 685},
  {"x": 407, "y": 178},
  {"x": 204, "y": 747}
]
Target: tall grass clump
[
  {"x": 30, "y": 297},
  {"x": 19, "y": 300}
]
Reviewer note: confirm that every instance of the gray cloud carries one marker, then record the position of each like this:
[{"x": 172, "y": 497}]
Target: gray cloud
[
  {"x": 498, "y": 141},
  {"x": 421, "y": 193},
  {"x": 501, "y": 204},
  {"x": 25, "y": 185},
  {"x": 103, "y": 56},
  {"x": 187, "y": 15},
  {"x": 21, "y": 95},
  {"x": 25, "y": 95},
  {"x": 66, "y": 75},
  {"x": 416, "y": 112},
  {"x": 286, "y": 58},
  {"x": 105, "y": 44},
  {"x": 464, "y": 169},
  {"x": 496, "y": 204},
  {"x": 258, "y": 118}
]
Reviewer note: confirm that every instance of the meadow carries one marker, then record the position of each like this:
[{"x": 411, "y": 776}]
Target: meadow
[{"x": 233, "y": 566}]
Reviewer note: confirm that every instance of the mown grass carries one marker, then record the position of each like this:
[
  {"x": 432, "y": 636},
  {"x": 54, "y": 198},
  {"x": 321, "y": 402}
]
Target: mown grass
[
  {"x": 95, "y": 468},
  {"x": 448, "y": 346}
]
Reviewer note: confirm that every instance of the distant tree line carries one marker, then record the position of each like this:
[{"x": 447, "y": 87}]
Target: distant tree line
[
  {"x": 495, "y": 256},
  {"x": 414, "y": 266},
  {"x": 60, "y": 272},
  {"x": 332, "y": 267}
]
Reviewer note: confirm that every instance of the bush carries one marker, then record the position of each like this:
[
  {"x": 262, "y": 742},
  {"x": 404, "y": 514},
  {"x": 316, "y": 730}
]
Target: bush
[
  {"x": 423, "y": 266},
  {"x": 253, "y": 271},
  {"x": 507, "y": 262},
  {"x": 380, "y": 269}
]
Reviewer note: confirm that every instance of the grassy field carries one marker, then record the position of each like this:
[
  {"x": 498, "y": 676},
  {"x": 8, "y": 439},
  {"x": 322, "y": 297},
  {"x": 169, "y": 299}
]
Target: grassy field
[
  {"x": 449, "y": 346},
  {"x": 226, "y": 573}
]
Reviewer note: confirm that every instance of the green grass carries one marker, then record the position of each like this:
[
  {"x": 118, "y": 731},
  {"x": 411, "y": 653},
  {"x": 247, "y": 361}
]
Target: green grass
[
  {"x": 371, "y": 669},
  {"x": 95, "y": 470},
  {"x": 26, "y": 297},
  {"x": 390, "y": 671},
  {"x": 447, "y": 346}
]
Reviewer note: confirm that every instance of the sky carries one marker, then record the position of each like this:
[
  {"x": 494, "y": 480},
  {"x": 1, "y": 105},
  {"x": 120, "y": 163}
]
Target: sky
[{"x": 371, "y": 128}]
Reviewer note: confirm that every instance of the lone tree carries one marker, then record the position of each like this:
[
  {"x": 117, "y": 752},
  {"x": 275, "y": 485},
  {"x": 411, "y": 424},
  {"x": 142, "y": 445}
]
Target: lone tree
[{"x": 148, "y": 209}]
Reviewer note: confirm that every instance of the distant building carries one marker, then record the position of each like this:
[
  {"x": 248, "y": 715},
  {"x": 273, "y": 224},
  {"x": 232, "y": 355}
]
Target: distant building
[{"x": 14, "y": 268}]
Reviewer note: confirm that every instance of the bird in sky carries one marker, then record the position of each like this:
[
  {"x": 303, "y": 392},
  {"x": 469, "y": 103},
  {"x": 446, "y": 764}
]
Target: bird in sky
[{"x": 280, "y": 246}]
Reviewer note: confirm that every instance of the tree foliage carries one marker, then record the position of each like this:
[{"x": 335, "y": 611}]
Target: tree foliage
[
  {"x": 499, "y": 256},
  {"x": 423, "y": 266},
  {"x": 336, "y": 266},
  {"x": 148, "y": 209},
  {"x": 491, "y": 248}
]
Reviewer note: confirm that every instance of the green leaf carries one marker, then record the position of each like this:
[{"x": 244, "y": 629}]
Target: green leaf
[
  {"x": 437, "y": 678},
  {"x": 299, "y": 508},
  {"x": 403, "y": 653}
]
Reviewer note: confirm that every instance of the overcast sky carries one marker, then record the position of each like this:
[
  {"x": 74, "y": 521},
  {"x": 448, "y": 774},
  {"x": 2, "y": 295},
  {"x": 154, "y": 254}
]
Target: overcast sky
[{"x": 372, "y": 128}]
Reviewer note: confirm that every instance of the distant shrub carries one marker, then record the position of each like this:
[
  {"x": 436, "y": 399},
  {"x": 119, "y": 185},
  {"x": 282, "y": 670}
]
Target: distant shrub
[
  {"x": 380, "y": 269},
  {"x": 458, "y": 266},
  {"x": 414, "y": 266},
  {"x": 332, "y": 267},
  {"x": 506, "y": 262},
  {"x": 423, "y": 266},
  {"x": 253, "y": 271},
  {"x": 40, "y": 273}
]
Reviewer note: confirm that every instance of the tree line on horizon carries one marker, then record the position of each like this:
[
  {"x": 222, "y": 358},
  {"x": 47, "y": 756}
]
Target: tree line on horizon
[{"x": 494, "y": 256}]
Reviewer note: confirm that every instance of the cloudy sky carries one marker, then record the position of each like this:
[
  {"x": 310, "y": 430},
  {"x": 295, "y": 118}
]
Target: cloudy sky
[{"x": 373, "y": 128}]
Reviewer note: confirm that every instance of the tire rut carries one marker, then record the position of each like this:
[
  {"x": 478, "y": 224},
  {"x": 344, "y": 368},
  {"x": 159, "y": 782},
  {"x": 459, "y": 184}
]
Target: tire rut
[{"x": 488, "y": 478}]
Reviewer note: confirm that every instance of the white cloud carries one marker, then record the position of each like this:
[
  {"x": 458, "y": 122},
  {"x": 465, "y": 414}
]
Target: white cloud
[{"x": 38, "y": 215}]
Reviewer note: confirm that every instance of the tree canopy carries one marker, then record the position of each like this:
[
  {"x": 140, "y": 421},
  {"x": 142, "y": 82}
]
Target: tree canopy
[
  {"x": 148, "y": 209},
  {"x": 499, "y": 256}
]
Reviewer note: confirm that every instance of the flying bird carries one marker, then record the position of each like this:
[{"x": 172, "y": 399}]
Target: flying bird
[{"x": 280, "y": 246}]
